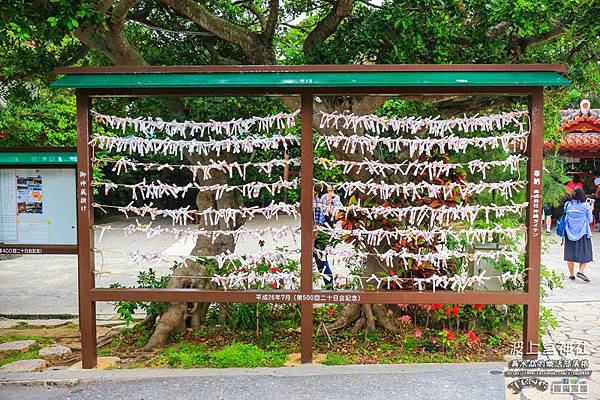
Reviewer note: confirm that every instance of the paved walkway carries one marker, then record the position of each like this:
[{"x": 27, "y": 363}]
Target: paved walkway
[
  {"x": 47, "y": 284},
  {"x": 421, "y": 381},
  {"x": 576, "y": 307}
]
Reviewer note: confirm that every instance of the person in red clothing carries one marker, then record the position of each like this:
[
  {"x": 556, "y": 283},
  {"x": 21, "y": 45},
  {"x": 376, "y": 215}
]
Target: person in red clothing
[{"x": 575, "y": 183}]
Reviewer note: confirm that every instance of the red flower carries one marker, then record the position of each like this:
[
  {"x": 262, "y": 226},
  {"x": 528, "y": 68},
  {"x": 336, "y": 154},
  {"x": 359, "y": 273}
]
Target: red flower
[
  {"x": 437, "y": 306},
  {"x": 450, "y": 335},
  {"x": 472, "y": 335},
  {"x": 455, "y": 310},
  {"x": 448, "y": 310},
  {"x": 478, "y": 306},
  {"x": 331, "y": 311},
  {"x": 275, "y": 285},
  {"x": 274, "y": 269}
]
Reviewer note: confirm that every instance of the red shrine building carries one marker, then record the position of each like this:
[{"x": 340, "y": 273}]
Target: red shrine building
[
  {"x": 582, "y": 128},
  {"x": 581, "y": 143}
]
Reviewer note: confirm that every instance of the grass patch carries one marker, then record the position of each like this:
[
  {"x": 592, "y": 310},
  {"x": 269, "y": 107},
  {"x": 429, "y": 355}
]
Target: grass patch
[
  {"x": 41, "y": 340},
  {"x": 186, "y": 355},
  {"x": 246, "y": 355},
  {"x": 132, "y": 365},
  {"x": 105, "y": 352},
  {"x": 189, "y": 355},
  {"x": 337, "y": 359},
  {"x": 21, "y": 355},
  {"x": 33, "y": 351}
]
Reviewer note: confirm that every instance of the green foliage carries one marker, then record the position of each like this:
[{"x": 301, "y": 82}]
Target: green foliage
[
  {"x": 554, "y": 179},
  {"x": 245, "y": 355},
  {"x": 493, "y": 341},
  {"x": 41, "y": 340},
  {"x": 549, "y": 280},
  {"x": 37, "y": 118},
  {"x": 32, "y": 353},
  {"x": 146, "y": 280},
  {"x": 188, "y": 355},
  {"x": 548, "y": 321},
  {"x": 337, "y": 359}
]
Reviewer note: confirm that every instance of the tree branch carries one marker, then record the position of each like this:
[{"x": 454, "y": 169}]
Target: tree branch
[
  {"x": 120, "y": 10},
  {"x": 269, "y": 30},
  {"x": 299, "y": 27},
  {"x": 328, "y": 25},
  {"x": 555, "y": 31},
  {"x": 251, "y": 7},
  {"x": 240, "y": 36},
  {"x": 371, "y": 4},
  {"x": 216, "y": 58},
  {"x": 259, "y": 15},
  {"x": 166, "y": 30},
  {"x": 520, "y": 45},
  {"x": 497, "y": 30},
  {"x": 112, "y": 43}
]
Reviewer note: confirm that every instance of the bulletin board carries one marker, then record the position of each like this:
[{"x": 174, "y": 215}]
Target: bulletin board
[{"x": 37, "y": 204}]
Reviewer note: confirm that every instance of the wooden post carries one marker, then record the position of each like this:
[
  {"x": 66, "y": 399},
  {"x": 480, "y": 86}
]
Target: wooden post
[
  {"x": 85, "y": 235},
  {"x": 534, "y": 223},
  {"x": 306, "y": 221}
]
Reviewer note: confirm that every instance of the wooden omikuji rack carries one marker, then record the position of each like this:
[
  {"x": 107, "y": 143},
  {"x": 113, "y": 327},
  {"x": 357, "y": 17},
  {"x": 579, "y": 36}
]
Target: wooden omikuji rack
[{"x": 308, "y": 81}]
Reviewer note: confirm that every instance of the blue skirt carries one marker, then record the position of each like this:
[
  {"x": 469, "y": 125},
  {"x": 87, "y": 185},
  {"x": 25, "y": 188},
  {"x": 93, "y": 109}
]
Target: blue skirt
[{"x": 579, "y": 251}]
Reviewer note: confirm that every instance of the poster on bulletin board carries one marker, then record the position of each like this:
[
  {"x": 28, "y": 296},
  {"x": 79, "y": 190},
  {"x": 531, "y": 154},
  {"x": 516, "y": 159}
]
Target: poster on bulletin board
[{"x": 38, "y": 206}]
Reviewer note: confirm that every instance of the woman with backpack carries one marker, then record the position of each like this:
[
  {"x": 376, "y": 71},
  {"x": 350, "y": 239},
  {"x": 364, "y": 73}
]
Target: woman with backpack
[{"x": 578, "y": 235}]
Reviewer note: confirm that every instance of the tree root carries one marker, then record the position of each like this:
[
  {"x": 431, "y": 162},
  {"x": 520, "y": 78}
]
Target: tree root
[
  {"x": 363, "y": 317},
  {"x": 382, "y": 318},
  {"x": 359, "y": 325},
  {"x": 171, "y": 321},
  {"x": 350, "y": 314},
  {"x": 368, "y": 313}
]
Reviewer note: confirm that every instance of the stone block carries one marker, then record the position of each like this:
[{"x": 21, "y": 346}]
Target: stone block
[
  {"x": 47, "y": 323},
  {"x": 36, "y": 364},
  {"x": 15, "y": 347},
  {"x": 55, "y": 353},
  {"x": 103, "y": 363}
]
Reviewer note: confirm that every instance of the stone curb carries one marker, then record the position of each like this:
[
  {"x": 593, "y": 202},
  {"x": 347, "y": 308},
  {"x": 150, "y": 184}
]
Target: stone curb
[{"x": 68, "y": 378}]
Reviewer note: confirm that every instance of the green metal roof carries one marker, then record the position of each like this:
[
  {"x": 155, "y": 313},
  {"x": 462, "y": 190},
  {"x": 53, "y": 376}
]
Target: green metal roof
[
  {"x": 307, "y": 79},
  {"x": 38, "y": 158}
]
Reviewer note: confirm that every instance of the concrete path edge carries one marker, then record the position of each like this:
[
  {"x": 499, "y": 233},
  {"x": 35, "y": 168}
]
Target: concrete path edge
[{"x": 72, "y": 378}]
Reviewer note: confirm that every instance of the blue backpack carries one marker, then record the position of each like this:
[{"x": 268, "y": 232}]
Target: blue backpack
[{"x": 560, "y": 226}]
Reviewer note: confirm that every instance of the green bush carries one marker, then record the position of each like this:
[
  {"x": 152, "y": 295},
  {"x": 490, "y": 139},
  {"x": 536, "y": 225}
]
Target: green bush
[
  {"x": 186, "y": 355},
  {"x": 337, "y": 359},
  {"x": 189, "y": 355},
  {"x": 245, "y": 355}
]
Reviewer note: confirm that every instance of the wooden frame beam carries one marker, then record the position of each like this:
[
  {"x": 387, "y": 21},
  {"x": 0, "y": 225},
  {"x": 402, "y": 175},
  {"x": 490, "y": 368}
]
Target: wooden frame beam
[{"x": 307, "y": 296}]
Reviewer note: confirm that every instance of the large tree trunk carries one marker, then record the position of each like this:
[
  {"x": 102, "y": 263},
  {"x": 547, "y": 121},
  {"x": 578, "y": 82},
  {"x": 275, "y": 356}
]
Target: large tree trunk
[
  {"x": 365, "y": 316},
  {"x": 180, "y": 316}
]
